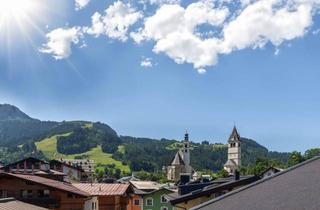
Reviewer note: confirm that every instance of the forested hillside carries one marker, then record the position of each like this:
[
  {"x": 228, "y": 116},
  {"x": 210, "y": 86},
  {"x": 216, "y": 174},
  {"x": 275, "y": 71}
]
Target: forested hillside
[{"x": 22, "y": 136}]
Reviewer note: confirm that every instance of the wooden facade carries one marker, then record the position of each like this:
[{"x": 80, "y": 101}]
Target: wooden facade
[
  {"x": 72, "y": 173},
  {"x": 111, "y": 196},
  {"x": 41, "y": 195},
  {"x": 112, "y": 202},
  {"x": 33, "y": 166},
  {"x": 135, "y": 202}
]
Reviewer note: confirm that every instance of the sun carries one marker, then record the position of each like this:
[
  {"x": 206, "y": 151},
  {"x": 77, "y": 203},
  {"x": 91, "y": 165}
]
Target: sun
[{"x": 17, "y": 12}]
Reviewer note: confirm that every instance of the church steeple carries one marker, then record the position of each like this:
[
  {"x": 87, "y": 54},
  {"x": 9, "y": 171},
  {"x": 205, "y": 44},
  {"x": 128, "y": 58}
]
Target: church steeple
[
  {"x": 234, "y": 135},
  {"x": 186, "y": 149},
  {"x": 234, "y": 152},
  {"x": 186, "y": 136},
  {"x": 181, "y": 161}
]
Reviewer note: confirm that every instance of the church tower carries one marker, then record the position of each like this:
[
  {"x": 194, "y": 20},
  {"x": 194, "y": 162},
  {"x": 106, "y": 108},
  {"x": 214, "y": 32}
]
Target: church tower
[
  {"x": 234, "y": 152},
  {"x": 181, "y": 162},
  {"x": 186, "y": 149}
]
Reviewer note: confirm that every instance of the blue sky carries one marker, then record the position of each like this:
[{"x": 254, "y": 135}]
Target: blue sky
[{"x": 263, "y": 79}]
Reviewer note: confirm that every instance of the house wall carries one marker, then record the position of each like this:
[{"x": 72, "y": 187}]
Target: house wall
[
  {"x": 131, "y": 205},
  {"x": 91, "y": 204},
  {"x": 57, "y": 199},
  {"x": 157, "y": 204},
  {"x": 72, "y": 174},
  {"x": 112, "y": 202}
]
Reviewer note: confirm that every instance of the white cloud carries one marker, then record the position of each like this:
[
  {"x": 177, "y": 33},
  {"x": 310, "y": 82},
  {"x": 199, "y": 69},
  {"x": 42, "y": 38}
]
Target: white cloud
[
  {"x": 115, "y": 22},
  {"x": 60, "y": 41},
  {"x": 176, "y": 33},
  {"x": 263, "y": 22},
  {"x": 146, "y": 3},
  {"x": 198, "y": 33},
  {"x": 146, "y": 62},
  {"x": 80, "y": 4},
  {"x": 138, "y": 36},
  {"x": 173, "y": 28},
  {"x": 98, "y": 26},
  {"x": 201, "y": 71},
  {"x": 160, "y": 2}
]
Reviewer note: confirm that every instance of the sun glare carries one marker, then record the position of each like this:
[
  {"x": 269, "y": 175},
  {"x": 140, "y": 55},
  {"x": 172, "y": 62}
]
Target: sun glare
[{"x": 17, "y": 11}]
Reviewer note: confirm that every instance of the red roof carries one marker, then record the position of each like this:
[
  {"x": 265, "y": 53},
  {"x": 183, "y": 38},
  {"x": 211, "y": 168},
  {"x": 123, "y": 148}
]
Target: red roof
[
  {"x": 12, "y": 204},
  {"x": 64, "y": 186},
  {"x": 102, "y": 188}
]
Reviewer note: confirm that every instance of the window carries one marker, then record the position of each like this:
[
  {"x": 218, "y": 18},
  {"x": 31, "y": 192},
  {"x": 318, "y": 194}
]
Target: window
[
  {"x": 29, "y": 183},
  {"x": 94, "y": 205},
  {"x": 149, "y": 202},
  {"x": 186, "y": 151},
  {"x": 26, "y": 193},
  {"x": 163, "y": 199},
  {"x": 3, "y": 194},
  {"x": 71, "y": 195},
  {"x": 137, "y": 202},
  {"x": 164, "y": 208},
  {"x": 43, "y": 193}
]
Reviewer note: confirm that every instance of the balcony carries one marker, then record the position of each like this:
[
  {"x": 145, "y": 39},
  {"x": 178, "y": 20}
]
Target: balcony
[{"x": 43, "y": 202}]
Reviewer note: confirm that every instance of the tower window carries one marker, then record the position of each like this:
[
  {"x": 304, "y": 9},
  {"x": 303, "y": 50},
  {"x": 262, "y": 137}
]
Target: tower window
[{"x": 186, "y": 151}]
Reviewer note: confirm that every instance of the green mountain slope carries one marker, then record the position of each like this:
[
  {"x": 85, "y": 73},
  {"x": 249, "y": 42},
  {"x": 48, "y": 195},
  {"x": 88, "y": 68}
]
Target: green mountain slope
[
  {"x": 48, "y": 147},
  {"x": 22, "y": 136}
]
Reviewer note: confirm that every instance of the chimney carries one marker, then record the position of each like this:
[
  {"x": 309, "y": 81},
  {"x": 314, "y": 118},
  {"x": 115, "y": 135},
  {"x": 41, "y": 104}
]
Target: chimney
[
  {"x": 236, "y": 175},
  {"x": 184, "y": 179},
  {"x": 205, "y": 178}
]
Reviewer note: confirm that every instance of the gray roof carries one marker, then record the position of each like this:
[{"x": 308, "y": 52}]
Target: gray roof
[
  {"x": 230, "y": 162},
  {"x": 296, "y": 188},
  {"x": 177, "y": 160},
  {"x": 215, "y": 187},
  {"x": 12, "y": 204},
  {"x": 234, "y": 135},
  {"x": 126, "y": 179}
]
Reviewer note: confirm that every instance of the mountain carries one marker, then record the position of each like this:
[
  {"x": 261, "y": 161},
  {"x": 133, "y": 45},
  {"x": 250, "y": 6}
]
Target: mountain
[
  {"x": 9, "y": 112},
  {"x": 16, "y": 127},
  {"x": 21, "y": 136}
]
